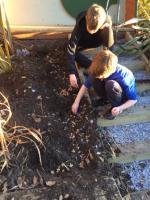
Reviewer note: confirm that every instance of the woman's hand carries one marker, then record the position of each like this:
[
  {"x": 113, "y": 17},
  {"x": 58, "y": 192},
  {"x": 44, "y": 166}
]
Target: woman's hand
[
  {"x": 75, "y": 107},
  {"x": 73, "y": 81}
]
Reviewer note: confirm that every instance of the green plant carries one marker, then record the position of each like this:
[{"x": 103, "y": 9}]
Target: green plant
[
  {"x": 5, "y": 43},
  {"x": 141, "y": 37},
  {"x": 144, "y": 9},
  {"x": 141, "y": 27}
]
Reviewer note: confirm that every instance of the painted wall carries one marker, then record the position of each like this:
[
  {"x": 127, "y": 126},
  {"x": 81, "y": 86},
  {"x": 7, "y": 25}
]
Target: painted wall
[{"x": 53, "y": 12}]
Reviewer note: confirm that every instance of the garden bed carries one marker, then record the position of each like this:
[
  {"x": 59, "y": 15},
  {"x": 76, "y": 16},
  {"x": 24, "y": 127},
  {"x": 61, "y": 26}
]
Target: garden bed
[{"x": 40, "y": 97}]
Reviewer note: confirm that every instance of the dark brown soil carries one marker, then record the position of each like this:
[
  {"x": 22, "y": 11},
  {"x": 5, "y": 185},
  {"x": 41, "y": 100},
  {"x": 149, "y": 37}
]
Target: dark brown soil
[{"x": 40, "y": 97}]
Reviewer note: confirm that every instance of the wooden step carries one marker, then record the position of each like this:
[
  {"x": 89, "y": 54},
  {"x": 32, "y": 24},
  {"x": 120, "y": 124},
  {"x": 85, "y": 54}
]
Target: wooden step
[
  {"x": 134, "y": 64},
  {"x": 142, "y": 55},
  {"x": 135, "y": 115},
  {"x": 132, "y": 152},
  {"x": 142, "y": 87},
  {"x": 142, "y": 75}
]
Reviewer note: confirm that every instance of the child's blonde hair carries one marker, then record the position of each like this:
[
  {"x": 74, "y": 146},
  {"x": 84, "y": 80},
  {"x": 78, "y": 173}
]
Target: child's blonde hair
[
  {"x": 95, "y": 16},
  {"x": 103, "y": 64}
]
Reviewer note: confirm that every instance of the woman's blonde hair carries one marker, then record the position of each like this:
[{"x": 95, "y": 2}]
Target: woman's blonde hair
[
  {"x": 103, "y": 64},
  {"x": 95, "y": 16}
]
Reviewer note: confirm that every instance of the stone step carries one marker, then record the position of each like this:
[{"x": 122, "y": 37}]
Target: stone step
[
  {"x": 107, "y": 190},
  {"x": 140, "y": 195}
]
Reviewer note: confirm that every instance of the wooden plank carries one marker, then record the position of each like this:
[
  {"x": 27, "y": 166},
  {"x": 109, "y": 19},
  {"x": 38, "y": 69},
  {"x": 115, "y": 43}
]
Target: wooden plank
[
  {"x": 142, "y": 87},
  {"x": 40, "y": 35},
  {"x": 132, "y": 151},
  {"x": 142, "y": 75},
  {"x": 135, "y": 116},
  {"x": 133, "y": 65},
  {"x": 60, "y": 28},
  {"x": 129, "y": 158},
  {"x": 135, "y": 147}
]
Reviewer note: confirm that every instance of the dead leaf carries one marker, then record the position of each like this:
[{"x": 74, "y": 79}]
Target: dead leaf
[
  {"x": 81, "y": 165},
  {"x": 35, "y": 180},
  {"x": 50, "y": 183},
  {"x": 87, "y": 161},
  {"x": 61, "y": 197},
  {"x": 64, "y": 92},
  {"x": 5, "y": 187},
  {"x": 17, "y": 91},
  {"x": 39, "y": 97},
  {"x": 91, "y": 156},
  {"x": 19, "y": 181},
  {"x": 102, "y": 159},
  {"x": 41, "y": 181},
  {"x": 36, "y": 119}
]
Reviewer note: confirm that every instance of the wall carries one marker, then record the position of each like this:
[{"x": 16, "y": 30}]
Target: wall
[{"x": 53, "y": 12}]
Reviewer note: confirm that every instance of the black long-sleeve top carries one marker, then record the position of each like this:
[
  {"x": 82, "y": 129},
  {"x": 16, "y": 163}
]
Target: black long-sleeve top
[{"x": 82, "y": 39}]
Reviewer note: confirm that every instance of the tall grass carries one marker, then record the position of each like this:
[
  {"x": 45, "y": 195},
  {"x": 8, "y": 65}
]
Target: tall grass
[{"x": 17, "y": 134}]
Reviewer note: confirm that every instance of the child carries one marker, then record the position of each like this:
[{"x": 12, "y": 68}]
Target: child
[
  {"x": 93, "y": 28},
  {"x": 110, "y": 80}
]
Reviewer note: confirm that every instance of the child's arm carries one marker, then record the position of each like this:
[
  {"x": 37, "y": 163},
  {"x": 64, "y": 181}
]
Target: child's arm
[
  {"x": 116, "y": 110},
  {"x": 79, "y": 96}
]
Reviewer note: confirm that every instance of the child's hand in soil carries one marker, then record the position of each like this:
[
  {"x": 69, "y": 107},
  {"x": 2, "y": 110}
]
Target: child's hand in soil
[{"x": 75, "y": 107}]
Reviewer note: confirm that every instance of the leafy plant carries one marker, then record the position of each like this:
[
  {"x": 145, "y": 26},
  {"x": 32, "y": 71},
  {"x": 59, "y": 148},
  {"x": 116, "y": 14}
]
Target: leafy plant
[
  {"x": 5, "y": 42},
  {"x": 144, "y": 9},
  {"x": 141, "y": 28}
]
